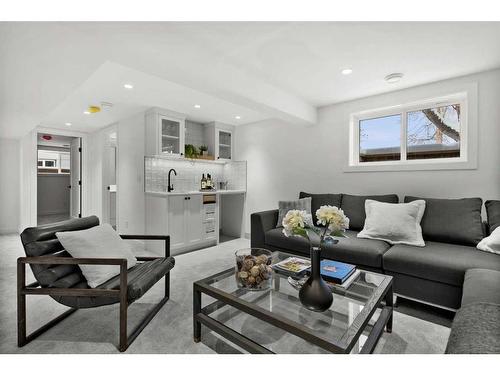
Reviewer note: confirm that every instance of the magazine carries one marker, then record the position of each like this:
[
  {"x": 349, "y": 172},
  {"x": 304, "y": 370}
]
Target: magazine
[{"x": 292, "y": 266}]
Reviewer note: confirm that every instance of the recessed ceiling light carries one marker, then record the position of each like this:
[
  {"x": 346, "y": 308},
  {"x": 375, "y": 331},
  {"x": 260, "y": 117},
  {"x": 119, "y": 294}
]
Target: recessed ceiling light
[
  {"x": 67, "y": 123},
  {"x": 197, "y": 106},
  {"x": 394, "y": 77},
  {"x": 128, "y": 86},
  {"x": 86, "y": 113},
  {"x": 237, "y": 117},
  {"x": 346, "y": 71}
]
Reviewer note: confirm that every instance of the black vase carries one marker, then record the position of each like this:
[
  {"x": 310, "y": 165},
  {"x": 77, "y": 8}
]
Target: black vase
[{"x": 315, "y": 294}]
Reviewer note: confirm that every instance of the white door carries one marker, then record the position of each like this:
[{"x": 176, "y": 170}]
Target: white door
[
  {"x": 194, "y": 219},
  {"x": 76, "y": 187},
  {"x": 176, "y": 221}
]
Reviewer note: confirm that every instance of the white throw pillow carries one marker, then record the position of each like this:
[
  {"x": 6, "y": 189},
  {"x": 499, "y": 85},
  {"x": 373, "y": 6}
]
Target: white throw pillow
[
  {"x": 100, "y": 241},
  {"x": 395, "y": 223},
  {"x": 491, "y": 243}
]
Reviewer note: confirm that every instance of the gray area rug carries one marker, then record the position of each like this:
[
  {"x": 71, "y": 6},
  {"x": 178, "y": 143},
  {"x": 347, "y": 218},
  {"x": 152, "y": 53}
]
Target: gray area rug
[{"x": 417, "y": 328}]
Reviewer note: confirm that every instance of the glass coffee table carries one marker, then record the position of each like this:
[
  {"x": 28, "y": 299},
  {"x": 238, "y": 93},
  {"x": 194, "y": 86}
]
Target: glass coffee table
[{"x": 274, "y": 320}]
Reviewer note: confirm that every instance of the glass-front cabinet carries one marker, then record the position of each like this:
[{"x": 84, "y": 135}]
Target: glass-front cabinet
[
  {"x": 224, "y": 144},
  {"x": 164, "y": 133},
  {"x": 170, "y": 135}
]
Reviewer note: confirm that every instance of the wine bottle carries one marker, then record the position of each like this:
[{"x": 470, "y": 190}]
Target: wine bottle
[{"x": 203, "y": 182}]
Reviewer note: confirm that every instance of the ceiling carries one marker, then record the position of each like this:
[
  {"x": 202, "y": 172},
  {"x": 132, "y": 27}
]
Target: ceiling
[
  {"x": 107, "y": 85},
  {"x": 54, "y": 141},
  {"x": 257, "y": 70}
]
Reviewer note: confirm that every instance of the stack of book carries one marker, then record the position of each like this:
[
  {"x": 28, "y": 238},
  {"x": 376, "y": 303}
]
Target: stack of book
[{"x": 338, "y": 273}]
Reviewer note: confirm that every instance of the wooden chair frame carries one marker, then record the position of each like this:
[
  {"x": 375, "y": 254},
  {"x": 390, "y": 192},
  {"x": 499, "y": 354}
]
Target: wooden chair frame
[{"x": 35, "y": 289}]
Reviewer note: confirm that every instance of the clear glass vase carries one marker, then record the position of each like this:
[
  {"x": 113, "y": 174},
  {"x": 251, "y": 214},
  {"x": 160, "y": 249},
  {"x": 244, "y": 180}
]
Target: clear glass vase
[{"x": 253, "y": 269}]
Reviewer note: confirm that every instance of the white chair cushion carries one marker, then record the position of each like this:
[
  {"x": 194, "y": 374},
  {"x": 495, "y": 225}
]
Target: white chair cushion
[{"x": 100, "y": 241}]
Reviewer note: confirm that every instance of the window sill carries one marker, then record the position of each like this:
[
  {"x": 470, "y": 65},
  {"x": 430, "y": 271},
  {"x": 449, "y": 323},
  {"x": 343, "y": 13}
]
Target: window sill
[{"x": 418, "y": 166}]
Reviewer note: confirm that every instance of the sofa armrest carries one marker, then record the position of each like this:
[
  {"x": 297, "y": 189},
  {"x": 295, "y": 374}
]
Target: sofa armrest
[{"x": 261, "y": 222}]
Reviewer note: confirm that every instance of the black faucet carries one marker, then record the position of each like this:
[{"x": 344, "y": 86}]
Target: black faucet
[{"x": 170, "y": 187}]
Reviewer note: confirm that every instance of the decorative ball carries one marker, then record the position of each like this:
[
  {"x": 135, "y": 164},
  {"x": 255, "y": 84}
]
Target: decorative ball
[
  {"x": 255, "y": 271},
  {"x": 247, "y": 264}
]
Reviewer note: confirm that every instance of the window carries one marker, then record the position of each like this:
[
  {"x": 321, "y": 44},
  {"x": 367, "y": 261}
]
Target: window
[
  {"x": 379, "y": 139},
  {"x": 47, "y": 163},
  {"x": 430, "y": 131}
]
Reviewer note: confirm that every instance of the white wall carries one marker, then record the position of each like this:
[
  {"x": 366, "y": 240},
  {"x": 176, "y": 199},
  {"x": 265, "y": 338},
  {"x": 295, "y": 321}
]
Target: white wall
[
  {"x": 9, "y": 185},
  {"x": 130, "y": 175},
  {"x": 284, "y": 159}
]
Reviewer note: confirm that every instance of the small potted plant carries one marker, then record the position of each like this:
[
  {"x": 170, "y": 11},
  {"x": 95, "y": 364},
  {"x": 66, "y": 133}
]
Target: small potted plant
[
  {"x": 204, "y": 150},
  {"x": 190, "y": 151}
]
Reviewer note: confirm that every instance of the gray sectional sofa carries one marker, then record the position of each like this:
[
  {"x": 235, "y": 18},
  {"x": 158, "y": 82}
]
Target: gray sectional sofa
[{"x": 433, "y": 274}]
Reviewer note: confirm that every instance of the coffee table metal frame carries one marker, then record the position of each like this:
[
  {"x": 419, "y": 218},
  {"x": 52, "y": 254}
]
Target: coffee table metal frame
[{"x": 344, "y": 345}]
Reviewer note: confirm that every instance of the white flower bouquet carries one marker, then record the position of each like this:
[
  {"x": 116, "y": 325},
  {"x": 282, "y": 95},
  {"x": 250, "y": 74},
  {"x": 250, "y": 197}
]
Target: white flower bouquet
[{"x": 300, "y": 223}]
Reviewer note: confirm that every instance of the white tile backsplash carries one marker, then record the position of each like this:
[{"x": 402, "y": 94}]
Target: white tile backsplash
[{"x": 189, "y": 174}]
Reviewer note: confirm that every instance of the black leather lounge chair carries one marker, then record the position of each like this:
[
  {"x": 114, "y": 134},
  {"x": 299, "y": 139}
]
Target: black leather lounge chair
[{"x": 59, "y": 276}]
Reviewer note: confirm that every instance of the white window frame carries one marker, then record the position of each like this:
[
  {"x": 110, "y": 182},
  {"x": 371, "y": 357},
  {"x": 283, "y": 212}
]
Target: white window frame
[{"x": 461, "y": 162}]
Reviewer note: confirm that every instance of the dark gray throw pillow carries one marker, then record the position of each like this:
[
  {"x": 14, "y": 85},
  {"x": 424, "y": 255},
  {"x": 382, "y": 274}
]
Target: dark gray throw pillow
[
  {"x": 303, "y": 204},
  {"x": 493, "y": 212},
  {"x": 354, "y": 207},
  {"x": 318, "y": 200},
  {"x": 455, "y": 221}
]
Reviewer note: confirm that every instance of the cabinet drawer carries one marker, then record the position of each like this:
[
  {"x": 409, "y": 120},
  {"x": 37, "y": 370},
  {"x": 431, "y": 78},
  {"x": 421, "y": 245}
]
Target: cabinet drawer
[
  {"x": 209, "y": 208},
  {"x": 209, "y": 216}
]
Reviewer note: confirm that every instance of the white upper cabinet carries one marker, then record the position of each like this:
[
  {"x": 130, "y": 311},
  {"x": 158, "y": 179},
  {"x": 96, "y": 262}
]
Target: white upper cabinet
[
  {"x": 165, "y": 131},
  {"x": 220, "y": 140},
  {"x": 224, "y": 142}
]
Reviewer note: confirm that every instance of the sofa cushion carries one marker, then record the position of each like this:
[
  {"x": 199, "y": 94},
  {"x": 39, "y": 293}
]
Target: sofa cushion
[
  {"x": 493, "y": 212},
  {"x": 303, "y": 204},
  {"x": 395, "y": 223},
  {"x": 354, "y": 207},
  {"x": 445, "y": 263},
  {"x": 455, "y": 221},
  {"x": 319, "y": 200},
  {"x": 363, "y": 252},
  {"x": 481, "y": 285},
  {"x": 475, "y": 330},
  {"x": 491, "y": 243}
]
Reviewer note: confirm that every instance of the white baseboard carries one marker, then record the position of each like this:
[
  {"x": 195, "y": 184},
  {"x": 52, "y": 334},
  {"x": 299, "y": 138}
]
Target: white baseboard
[
  {"x": 53, "y": 213},
  {"x": 4, "y": 231}
]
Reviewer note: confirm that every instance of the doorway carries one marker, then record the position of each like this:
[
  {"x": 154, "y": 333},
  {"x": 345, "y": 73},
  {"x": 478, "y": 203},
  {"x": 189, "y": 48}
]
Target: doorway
[
  {"x": 110, "y": 154},
  {"x": 59, "y": 186}
]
